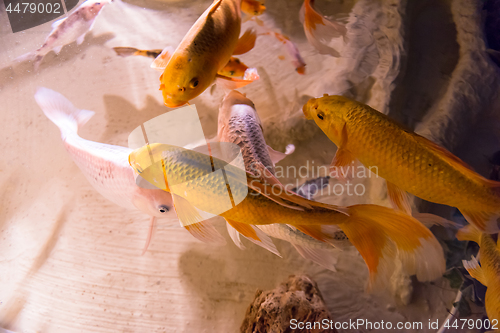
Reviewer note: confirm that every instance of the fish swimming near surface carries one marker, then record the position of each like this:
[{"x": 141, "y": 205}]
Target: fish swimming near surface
[
  {"x": 292, "y": 50},
  {"x": 383, "y": 236},
  {"x": 203, "y": 52},
  {"x": 407, "y": 161},
  {"x": 106, "y": 166},
  {"x": 319, "y": 30},
  {"x": 67, "y": 30},
  {"x": 240, "y": 124},
  {"x": 488, "y": 272}
]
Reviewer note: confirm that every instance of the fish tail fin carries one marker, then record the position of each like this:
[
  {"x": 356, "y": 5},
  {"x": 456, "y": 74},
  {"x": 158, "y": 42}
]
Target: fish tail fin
[
  {"x": 61, "y": 111},
  {"x": 469, "y": 233},
  {"x": 125, "y": 51},
  {"x": 384, "y": 236},
  {"x": 25, "y": 57}
]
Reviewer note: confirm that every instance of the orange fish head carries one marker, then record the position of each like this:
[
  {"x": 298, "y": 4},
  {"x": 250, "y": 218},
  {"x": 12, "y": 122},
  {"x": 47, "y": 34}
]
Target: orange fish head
[
  {"x": 182, "y": 81},
  {"x": 252, "y": 7},
  {"x": 309, "y": 108}
]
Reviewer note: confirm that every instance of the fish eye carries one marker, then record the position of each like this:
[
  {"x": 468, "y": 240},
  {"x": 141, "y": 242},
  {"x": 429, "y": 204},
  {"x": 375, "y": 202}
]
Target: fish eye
[
  {"x": 321, "y": 115},
  {"x": 256, "y": 12},
  {"x": 231, "y": 73},
  {"x": 194, "y": 83},
  {"x": 163, "y": 209}
]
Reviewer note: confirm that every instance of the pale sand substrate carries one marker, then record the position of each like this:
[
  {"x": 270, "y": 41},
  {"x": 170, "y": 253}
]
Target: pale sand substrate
[{"x": 71, "y": 261}]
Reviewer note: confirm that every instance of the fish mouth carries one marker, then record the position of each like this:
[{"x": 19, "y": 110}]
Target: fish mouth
[
  {"x": 174, "y": 105},
  {"x": 306, "y": 109}
]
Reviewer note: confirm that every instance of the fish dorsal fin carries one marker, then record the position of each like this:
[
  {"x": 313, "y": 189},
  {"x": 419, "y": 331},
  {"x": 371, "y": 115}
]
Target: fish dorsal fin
[
  {"x": 57, "y": 23},
  {"x": 453, "y": 160},
  {"x": 246, "y": 42},
  {"x": 214, "y": 7},
  {"x": 161, "y": 61}
]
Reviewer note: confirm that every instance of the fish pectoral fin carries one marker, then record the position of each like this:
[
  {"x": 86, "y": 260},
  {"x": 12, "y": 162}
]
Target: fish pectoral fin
[
  {"x": 230, "y": 83},
  {"x": 161, "y": 61},
  {"x": 187, "y": 213},
  {"x": 475, "y": 270},
  {"x": 246, "y": 42},
  {"x": 277, "y": 156},
  {"x": 255, "y": 235},
  {"x": 322, "y": 257},
  {"x": 206, "y": 232},
  {"x": 235, "y": 236},
  {"x": 469, "y": 233},
  {"x": 484, "y": 221},
  {"x": 399, "y": 198},
  {"x": 57, "y": 49},
  {"x": 80, "y": 39},
  {"x": 151, "y": 231},
  {"x": 343, "y": 159}
]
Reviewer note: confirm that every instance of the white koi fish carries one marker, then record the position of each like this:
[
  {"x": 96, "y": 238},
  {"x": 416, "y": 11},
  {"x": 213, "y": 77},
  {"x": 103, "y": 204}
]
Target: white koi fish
[
  {"x": 67, "y": 30},
  {"x": 107, "y": 169}
]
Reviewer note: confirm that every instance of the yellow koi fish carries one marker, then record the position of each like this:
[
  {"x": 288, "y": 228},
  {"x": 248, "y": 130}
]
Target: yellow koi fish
[
  {"x": 408, "y": 161},
  {"x": 203, "y": 52},
  {"x": 319, "y": 30},
  {"x": 488, "y": 273},
  {"x": 382, "y": 235}
]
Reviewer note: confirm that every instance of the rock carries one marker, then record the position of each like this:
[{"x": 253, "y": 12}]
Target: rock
[{"x": 284, "y": 308}]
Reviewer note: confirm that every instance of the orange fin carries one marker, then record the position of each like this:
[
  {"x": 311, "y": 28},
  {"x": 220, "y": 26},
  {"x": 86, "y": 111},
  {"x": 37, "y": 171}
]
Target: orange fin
[
  {"x": 399, "y": 198},
  {"x": 319, "y": 31},
  {"x": 246, "y": 42},
  {"x": 343, "y": 159},
  {"x": 255, "y": 235},
  {"x": 384, "y": 236},
  {"x": 231, "y": 83},
  {"x": 206, "y": 232},
  {"x": 322, "y": 257},
  {"x": 475, "y": 270},
  {"x": 151, "y": 231},
  {"x": 161, "y": 61},
  {"x": 484, "y": 221}
]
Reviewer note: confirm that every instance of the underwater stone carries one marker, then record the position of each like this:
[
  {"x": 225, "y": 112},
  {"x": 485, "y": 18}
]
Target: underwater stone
[{"x": 298, "y": 298}]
